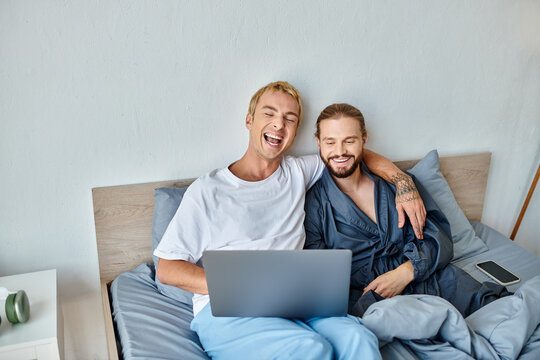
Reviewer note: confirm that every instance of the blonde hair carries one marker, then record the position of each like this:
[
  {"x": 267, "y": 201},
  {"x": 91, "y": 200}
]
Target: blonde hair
[
  {"x": 337, "y": 111},
  {"x": 282, "y": 86}
]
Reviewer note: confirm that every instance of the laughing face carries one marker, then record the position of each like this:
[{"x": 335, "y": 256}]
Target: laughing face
[
  {"x": 341, "y": 145},
  {"x": 273, "y": 125}
]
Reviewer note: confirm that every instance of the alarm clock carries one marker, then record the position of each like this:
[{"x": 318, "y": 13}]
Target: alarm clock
[{"x": 14, "y": 306}]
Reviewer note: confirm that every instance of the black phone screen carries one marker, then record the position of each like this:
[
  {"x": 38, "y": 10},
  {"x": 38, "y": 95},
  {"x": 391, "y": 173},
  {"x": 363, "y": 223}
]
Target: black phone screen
[{"x": 501, "y": 274}]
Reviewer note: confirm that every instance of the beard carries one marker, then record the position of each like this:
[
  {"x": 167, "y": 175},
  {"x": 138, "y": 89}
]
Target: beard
[{"x": 342, "y": 172}]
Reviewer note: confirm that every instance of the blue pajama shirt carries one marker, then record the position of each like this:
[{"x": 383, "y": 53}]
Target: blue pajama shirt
[{"x": 334, "y": 221}]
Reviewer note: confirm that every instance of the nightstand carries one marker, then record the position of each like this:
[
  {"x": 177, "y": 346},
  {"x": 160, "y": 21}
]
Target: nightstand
[{"x": 42, "y": 336}]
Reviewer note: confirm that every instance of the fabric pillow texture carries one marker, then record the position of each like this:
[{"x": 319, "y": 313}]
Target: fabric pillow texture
[
  {"x": 466, "y": 243},
  {"x": 167, "y": 201}
]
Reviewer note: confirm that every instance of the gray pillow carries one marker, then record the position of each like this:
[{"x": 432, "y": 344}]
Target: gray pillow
[
  {"x": 466, "y": 243},
  {"x": 167, "y": 201}
]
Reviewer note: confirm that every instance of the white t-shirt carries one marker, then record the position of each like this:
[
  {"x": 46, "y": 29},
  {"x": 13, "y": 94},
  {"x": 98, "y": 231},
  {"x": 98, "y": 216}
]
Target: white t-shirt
[{"x": 221, "y": 211}]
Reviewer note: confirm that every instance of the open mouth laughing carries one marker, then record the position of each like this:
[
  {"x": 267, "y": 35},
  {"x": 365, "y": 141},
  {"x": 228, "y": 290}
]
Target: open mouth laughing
[{"x": 273, "y": 139}]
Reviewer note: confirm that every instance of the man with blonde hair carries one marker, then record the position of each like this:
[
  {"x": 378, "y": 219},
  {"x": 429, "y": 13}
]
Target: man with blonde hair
[{"x": 257, "y": 202}]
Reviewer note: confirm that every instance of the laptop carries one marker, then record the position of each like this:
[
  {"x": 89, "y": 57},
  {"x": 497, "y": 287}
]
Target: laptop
[{"x": 278, "y": 283}]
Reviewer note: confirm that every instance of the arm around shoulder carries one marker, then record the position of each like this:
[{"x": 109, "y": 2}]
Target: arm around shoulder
[
  {"x": 182, "y": 274},
  {"x": 381, "y": 166},
  {"x": 407, "y": 198}
]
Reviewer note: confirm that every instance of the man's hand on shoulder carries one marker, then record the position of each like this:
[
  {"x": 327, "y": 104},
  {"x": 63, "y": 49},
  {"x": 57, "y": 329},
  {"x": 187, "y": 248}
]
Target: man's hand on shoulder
[
  {"x": 408, "y": 201},
  {"x": 393, "y": 282}
]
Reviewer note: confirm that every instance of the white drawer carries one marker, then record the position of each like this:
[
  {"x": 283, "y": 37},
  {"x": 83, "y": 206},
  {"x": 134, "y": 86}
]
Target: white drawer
[{"x": 19, "y": 354}]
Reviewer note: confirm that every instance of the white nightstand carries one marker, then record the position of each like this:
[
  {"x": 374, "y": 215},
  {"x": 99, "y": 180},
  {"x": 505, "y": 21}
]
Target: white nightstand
[{"x": 42, "y": 336}]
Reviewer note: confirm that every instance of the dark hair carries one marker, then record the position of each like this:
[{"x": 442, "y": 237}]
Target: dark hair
[{"x": 337, "y": 111}]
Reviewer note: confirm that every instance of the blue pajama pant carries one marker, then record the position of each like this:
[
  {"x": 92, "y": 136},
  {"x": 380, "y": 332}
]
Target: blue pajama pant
[{"x": 278, "y": 338}]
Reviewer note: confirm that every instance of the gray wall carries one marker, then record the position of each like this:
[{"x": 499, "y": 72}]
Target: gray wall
[{"x": 96, "y": 93}]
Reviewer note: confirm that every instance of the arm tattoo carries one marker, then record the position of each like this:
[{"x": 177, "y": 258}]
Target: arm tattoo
[{"x": 405, "y": 188}]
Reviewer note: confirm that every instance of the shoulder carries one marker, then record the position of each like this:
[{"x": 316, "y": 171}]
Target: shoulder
[
  {"x": 310, "y": 167},
  {"x": 206, "y": 185},
  {"x": 377, "y": 180},
  {"x": 371, "y": 174},
  {"x": 314, "y": 208},
  {"x": 317, "y": 189},
  {"x": 315, "y": 194},
  {"x": 211, "y": 178},
  {"x": 303, "y": 163}
]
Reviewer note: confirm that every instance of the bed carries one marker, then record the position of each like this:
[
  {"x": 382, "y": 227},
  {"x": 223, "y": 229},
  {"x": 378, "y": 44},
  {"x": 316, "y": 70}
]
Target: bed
[{"x": 144, "y": 322}]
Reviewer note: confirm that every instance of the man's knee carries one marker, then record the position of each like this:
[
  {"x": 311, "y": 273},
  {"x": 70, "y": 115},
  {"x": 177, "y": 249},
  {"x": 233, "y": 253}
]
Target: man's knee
[
  {"x": 364, "y": 339},
  {"x": 309, "y": 345},
  {"x": 361, "y": 340}
]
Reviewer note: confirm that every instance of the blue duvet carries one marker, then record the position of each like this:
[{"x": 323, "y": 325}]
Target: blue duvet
[{"x": 504, "y": 329}]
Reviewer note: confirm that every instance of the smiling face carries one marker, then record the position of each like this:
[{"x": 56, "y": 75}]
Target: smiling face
[
  {"x": 273, "y": 125},
  {"x": 341, "y": 145}
]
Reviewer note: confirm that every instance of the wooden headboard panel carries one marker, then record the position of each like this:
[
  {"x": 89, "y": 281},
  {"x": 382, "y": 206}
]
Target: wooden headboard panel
[
  {"x": 123, "y": 218},
  {"x": 467, "y": 176},
  {"x": 123, "y": 214}
]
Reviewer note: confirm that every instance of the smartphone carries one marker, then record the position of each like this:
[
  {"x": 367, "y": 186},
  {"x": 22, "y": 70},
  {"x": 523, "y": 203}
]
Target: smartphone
[{"x": 497, "y": 272}]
